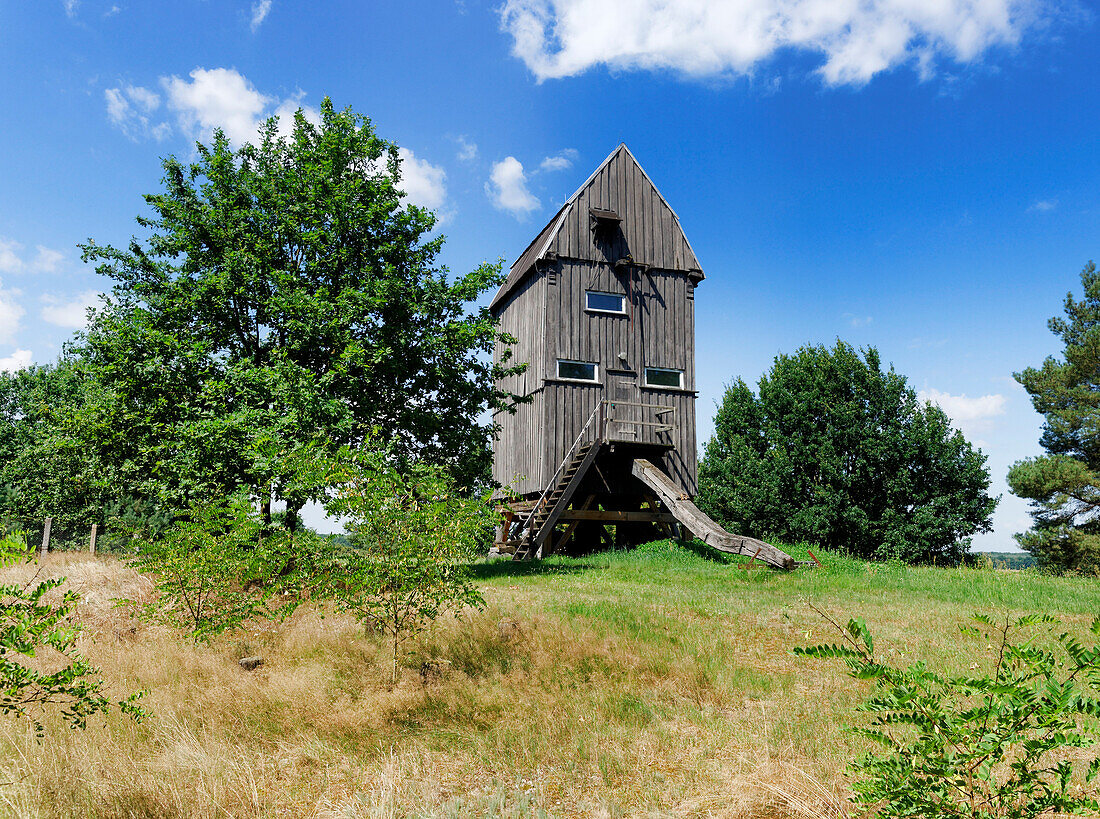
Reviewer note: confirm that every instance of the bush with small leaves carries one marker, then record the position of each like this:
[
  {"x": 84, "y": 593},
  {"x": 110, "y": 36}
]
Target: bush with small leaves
[
  {"x": 213, "y": 570},
  {"x": 413, "y": 536},
  {"x": 34, "y": 629},
  {"x": 1007, "y": 744}
]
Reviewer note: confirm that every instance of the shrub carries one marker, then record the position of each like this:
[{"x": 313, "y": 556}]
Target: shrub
[
  {"x": 838, "y": 452},
  {"x": 997, "y": 745},
  {"x": 413, "y": 535},
  {"x": 29, "y": 624}
]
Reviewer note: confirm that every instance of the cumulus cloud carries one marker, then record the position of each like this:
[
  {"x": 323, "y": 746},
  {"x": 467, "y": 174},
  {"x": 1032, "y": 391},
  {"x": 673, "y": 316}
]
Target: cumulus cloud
[
  {"x": 209, "y": 99},
  {"x": 71, "y": 314},
  {"x": 19, "y": 360},
  {"x": 259, "y": 13},
  {"x": 11, "y": 312},
  {"x": 46, "y": 260},
  {"x": 562, "y": 38},
  {"x": 507, "y": 188},
  {"x": 1043, "y": 206},
  {"x": 70, "y": 7},
  {"x": 216, "y": 98},
  {"x": 424, "y": 183},
  {"x": 858, "y": 321},
  {"x": 9, "y": 256},
  {"x": 131, "y": 108},
  {"x": 467, "y": 151},
  {"x": 968, "y": 414},
  {"x": 560, "y": 161}
]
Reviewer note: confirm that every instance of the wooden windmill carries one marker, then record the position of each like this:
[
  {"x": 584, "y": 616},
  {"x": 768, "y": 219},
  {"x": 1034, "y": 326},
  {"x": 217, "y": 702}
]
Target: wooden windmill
[{"x": 602, "y": 307}]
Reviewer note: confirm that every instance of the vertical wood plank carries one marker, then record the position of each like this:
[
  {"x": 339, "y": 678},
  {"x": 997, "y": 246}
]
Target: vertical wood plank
[
  {"x": 91, "y": 540},
  {"x": 46, "y": 535}
]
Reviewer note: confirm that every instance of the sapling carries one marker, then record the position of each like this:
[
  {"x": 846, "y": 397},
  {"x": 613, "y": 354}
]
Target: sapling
[
  {"x": 32, "y": 628},
  {"x": 1009, "y": 744}
]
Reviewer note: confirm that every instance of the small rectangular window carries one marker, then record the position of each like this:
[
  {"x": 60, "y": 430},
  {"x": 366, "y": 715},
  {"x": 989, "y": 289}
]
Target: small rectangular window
[
  {"x": 576, "y": 370},
  {"x": 661, "y": 377},
  {"x": 604, "y": 302}
]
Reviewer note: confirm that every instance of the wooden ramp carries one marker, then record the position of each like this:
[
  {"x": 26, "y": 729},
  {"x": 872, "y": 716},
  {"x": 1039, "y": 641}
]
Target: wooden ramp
[{"x": 681, "y": 506}]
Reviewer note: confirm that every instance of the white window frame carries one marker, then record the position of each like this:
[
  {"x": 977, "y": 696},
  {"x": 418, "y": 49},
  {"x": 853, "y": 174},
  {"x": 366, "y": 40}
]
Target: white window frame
[
  {"x": 620, "y": 296},
  {"x": 648, "y": 370},
  {"x": 595, "y": 379}
]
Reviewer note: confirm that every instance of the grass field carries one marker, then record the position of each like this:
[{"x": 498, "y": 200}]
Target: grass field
[{"x": 658, "y": 682}]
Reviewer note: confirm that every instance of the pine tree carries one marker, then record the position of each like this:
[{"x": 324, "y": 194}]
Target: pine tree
[{"x": 1064, "y": 485}]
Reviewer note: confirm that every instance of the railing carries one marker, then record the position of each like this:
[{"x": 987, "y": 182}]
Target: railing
[
  {"x": 632, "y": 420},
  {"x": 609, "y": 413},
  {"x": 565, "y": 461}
]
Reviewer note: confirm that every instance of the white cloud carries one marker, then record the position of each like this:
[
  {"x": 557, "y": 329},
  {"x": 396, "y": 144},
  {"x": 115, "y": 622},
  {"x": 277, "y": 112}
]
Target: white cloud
[
  {"x": 112, "y": 11},
  {"x": 424, "y": 183},
  {"x": 1043, "y": 206},
  {"x": 561, "y": 38},
  {"x": 971, "y": 415},
  {"x": 70, "y": 7},
  {"x": 467, "y": 151},
  {"x": 47, "y": 260},
  {"x": 211, "y": 98},
  {"x": 216, "y": 98},
  {"x": 560, "y": 161},
  {"x": 71, "y": 314},
  {"x": 9, "y": 256},
  {"x": 19, "y": 360},
  {"x": 858, "y": 321},
  {"x": 507, "y": 188},
  {"x": 131, "y": 108},
  {"x": 259, "y": 13},
  {"x": 11, "y": 311}
]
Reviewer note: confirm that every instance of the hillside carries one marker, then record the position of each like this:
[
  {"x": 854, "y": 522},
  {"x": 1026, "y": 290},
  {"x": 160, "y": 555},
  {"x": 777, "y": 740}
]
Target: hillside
[{"x": 656, "y": 682}]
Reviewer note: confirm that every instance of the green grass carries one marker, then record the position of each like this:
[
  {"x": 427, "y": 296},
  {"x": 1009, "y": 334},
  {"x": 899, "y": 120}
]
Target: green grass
[{"x": 658, "y": 681}]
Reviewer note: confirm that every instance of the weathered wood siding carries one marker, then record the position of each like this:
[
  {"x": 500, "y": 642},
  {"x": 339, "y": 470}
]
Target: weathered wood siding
[
  {"x": 658, "y": 330},
  {"x": 651, "y": 233},
  {"x": 518, "y": 450},
  {"x": 543, "y": 305}
]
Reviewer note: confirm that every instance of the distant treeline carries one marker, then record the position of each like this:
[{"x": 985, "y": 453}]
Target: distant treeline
[{"x": 1006, "y": 560}]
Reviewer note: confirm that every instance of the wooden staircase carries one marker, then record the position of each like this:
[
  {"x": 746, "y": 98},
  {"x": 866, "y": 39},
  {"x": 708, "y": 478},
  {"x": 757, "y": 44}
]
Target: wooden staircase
[{"x": 539, "y": 524}]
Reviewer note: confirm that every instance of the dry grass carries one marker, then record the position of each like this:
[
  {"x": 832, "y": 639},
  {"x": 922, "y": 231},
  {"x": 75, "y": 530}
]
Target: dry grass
[{"x": 650, "y": 685}]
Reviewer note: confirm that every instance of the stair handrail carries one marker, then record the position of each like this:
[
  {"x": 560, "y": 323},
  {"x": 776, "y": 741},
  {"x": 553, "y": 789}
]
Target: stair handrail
[{"x": 554, "y": 478}]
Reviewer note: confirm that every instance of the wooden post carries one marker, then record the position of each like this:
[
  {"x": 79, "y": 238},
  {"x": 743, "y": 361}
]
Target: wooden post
[
  {"x": 91, "y": 542},
  {"x": 46, "y": 536}
]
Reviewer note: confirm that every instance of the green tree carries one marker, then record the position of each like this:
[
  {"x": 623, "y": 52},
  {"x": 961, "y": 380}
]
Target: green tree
[
  {"x": 285, "y": 292},
  {"x": 413, "y": 537},
  {"x": 838, "y": 452},
  {"x": 45, "y": 469},
  {"x": 994, "y": 745},
  {"x": 1064, "y": 485},
  {"x": 40, "y": 667}
]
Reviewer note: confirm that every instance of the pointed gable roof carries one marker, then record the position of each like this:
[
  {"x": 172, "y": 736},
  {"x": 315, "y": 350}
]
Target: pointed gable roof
[{"x": 651, "y": 233}]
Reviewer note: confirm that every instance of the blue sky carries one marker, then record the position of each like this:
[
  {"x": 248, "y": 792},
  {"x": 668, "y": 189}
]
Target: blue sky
[{"x": 917, "y": 176}]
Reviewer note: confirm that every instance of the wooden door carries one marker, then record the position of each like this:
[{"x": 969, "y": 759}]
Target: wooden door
[{"x": 623, "y": 410}]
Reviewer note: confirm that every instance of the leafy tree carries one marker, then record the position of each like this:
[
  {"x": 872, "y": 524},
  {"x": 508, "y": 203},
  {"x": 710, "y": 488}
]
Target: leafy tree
[
  {"x": 997, "y": 745},
  {"x": 285, "y": 293},
  {"x": 1064, "y": 485},
  {"x": 835, "y": 451},
  {"x": 31, "y": 627},
  {"x": 214, "y": 569},
  {"x": 413, "y": 536},
  {"x": 46, "y": 470}
]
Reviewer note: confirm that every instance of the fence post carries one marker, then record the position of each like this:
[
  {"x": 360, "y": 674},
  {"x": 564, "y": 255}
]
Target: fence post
[
  {"x": 91, "y": 545},
  {"x": 46, "y": 536}
]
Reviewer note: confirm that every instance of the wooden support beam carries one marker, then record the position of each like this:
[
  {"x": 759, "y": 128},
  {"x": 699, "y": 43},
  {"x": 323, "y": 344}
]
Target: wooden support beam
[
  {"x": 615, "y": 516},
  {"x": 572, "y": 527},
  {"x": 706, "y": 529}
]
